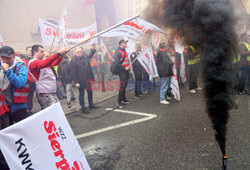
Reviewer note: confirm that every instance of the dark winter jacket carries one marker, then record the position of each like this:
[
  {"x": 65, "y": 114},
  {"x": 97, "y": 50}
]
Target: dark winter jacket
[
  {"x": 65, "y": 73},
  {"x": 164, "y": 64},
  {"x": 81, "y": 69},
  {"x": 137, "y": 67}
]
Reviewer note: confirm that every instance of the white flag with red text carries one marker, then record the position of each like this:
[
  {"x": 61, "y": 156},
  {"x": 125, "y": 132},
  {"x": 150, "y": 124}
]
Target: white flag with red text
[
  {"x": 1, "y": 41},
  {"x": 48, "y": 31},
  {"x": 63, "y": 27},
  {"x": 146, "y": 58},
  {"x": 179, "y": 48},
  {"x": 174, "y": 80},
  {"x": 103, "y": 50},
  {"x": 42, "y": 141},
  {"x": 75, "y": 36},
  {"x": 133, "y": 29}
]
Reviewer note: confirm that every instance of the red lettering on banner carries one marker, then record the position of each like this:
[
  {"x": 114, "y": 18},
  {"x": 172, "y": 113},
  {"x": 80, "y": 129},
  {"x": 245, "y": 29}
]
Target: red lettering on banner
[
  {"x": 49, "y": 31},
  {"x": 134, "y": 25},
  {"x": 50, "y": 128},
  {"x": 92, "y": 33}
]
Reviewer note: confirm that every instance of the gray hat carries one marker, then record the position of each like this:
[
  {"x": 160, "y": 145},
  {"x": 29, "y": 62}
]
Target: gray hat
[{"x": 6, "y": 51}]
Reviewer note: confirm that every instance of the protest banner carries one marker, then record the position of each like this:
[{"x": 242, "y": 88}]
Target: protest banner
[
  {"x": 74, "y": 36},
  {"x": 1, "y": 41},
  {"x": 133, "y": 29},
  {"x": 146, "y": 58},
  {"x": 42, "y": 141}
]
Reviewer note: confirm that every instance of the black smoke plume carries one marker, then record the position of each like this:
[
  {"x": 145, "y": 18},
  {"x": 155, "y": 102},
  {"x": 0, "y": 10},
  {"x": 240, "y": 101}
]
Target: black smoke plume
[{"x": 208, "y": 25}]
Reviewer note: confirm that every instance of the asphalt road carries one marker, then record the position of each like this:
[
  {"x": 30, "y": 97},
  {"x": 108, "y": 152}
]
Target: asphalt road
[{"x": 174, "y": 136}]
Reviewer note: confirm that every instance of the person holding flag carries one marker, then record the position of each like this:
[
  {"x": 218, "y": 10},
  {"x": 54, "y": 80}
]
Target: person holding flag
[
  {"x": 122, "y": 64},
  {"x": 39, "y": 69}
]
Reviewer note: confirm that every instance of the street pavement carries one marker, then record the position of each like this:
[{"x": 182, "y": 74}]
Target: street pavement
[{"x": 148, "y": 135}]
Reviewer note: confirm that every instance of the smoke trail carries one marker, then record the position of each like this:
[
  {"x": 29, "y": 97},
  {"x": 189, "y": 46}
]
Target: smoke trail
[{"x": 208, "y": 25}]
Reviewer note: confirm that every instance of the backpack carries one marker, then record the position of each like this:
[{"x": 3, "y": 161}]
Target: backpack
[{"x": 115, "y": 68}]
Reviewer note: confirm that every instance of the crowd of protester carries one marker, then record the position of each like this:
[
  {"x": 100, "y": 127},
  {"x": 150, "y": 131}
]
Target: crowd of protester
[{"x": 52, "y": 77}]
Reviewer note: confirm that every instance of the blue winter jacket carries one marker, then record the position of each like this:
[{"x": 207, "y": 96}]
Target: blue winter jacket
[{"x": 18, "y": 81}]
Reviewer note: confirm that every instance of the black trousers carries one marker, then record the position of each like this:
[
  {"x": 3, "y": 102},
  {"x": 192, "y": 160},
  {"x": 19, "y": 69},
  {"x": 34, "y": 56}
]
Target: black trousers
[
  {"x": 194, "y": 70},
  {"x": 124, "y": 77},
  {"x": 138, "y": 82},
  {"x": 32, "y": 88}
]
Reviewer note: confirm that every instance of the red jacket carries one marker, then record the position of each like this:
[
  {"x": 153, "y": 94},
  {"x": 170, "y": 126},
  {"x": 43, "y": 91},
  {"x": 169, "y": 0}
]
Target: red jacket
[{"x": 36, "y": 65}]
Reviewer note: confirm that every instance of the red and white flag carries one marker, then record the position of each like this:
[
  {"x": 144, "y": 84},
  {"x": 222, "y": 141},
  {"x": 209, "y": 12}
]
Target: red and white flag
[
  {"x": 146, "y": 58},
  {"x": 1, "y": 41},
  {"x": 63, "y": 27},
  {"x": 155, "y": 39},
  {"x": 174, "y": 80},
  {"x": 42, "y": 141}
]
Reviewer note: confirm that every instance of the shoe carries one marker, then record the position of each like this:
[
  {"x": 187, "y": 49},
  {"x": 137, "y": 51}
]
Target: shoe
[
  {"x": 141, "y": 94},
  {"x": 164, "y": 102},
  {"x": 137, "y": 97},
  {"x": 192, "y": 91},
  {"x": 73, "y": 99},
  {"x": 242, "y": 92},
  {"x": 126, "y": 102},
  {"x": 120, "y": 106},
  {"x": 69, "y": 105},
  {"x": 93, "y": 107},
  {"x": 85, "y": 111},
  {"x": 168, "y": 98},
  {"x": 198, "y": 88}
]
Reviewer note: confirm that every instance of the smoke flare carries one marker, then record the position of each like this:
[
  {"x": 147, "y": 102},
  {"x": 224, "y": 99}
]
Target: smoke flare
[{"x": 208, "y": 25}]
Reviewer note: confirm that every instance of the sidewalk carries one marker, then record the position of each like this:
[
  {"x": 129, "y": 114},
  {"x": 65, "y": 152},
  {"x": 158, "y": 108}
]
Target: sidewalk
[{"x": 98, "y": 96}]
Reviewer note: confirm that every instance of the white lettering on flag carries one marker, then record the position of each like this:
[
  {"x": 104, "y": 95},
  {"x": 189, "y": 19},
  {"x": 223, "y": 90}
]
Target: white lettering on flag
[{"x": 42, "y": 141}]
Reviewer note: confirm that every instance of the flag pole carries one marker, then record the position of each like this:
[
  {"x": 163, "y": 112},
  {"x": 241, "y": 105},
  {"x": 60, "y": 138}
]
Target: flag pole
[
  {"x": 102, "y": 32},
  {"x": 51, "y": 46}
]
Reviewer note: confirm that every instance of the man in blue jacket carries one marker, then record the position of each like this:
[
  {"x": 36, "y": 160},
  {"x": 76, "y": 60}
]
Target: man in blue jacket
[
  {"x": 14, "y": 87},
  {"x": 13, "y": 82}
]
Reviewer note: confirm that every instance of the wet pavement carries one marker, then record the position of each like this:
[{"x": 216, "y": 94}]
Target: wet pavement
[{"x": 148, "y": 135}]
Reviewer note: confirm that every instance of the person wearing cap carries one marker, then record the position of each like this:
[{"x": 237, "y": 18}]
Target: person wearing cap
[
  {"x": 13, "y": 83},
  {"x": 13, "y": 91},
  {"x": 122, "y": 63},
  {"x": 39, "y": 69}
]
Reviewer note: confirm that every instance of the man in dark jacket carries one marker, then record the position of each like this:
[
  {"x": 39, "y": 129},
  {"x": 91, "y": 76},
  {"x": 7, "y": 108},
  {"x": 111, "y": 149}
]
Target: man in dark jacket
[
  {"x": 83, "y": 76},
  {"x": 164, "y": 66},
  {"x": 138, "y": 70},
  {"x": 65, "y": 76},
  {"x": 122, "y": 64}
]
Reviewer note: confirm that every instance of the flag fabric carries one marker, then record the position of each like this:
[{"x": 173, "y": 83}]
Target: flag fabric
[
  {"x": 130, "y": 49},
  {"x": 44, "y": 140},
  {"x": 103, "y": 50},
  {"x": 179, "y": 48},
  {"x": 1, "y": 41},
  {"x": 155, "y": 39},
  {"x": 88, "y": 2},
  {"x": 75, "y": 36},
  {"x": 48, "y": 31},
  {"x": 174, "y": 80},
  {"x": 63, "y": 27},
  {"x": 146, "y": 58},
  {"x": 133, "y": 29}
]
